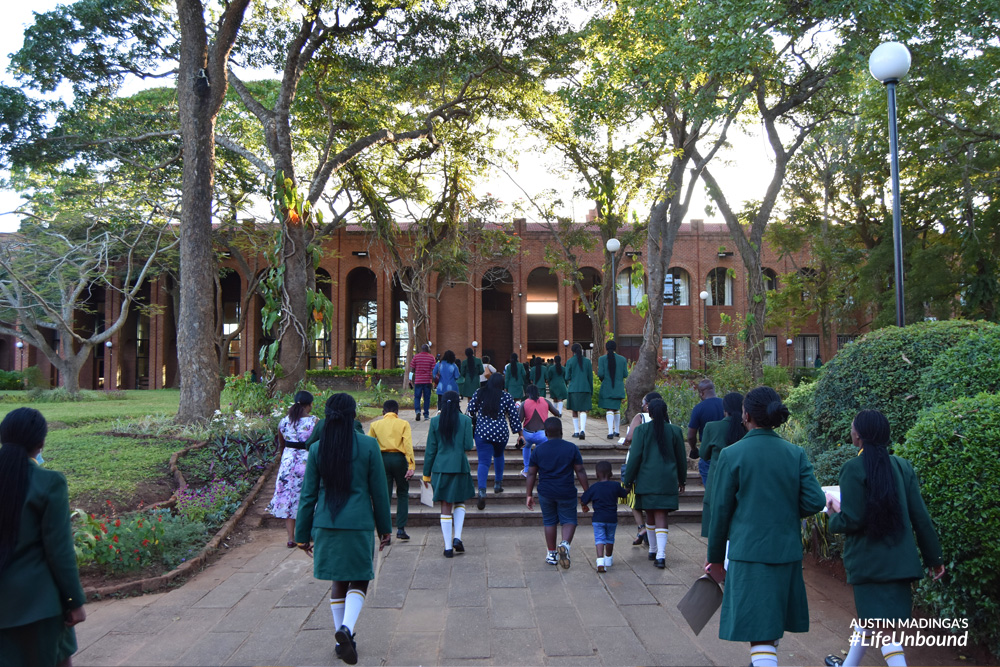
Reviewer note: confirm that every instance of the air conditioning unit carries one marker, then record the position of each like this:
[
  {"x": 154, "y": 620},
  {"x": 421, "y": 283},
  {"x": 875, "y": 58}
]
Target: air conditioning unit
[{"x": 718, "y": 341}]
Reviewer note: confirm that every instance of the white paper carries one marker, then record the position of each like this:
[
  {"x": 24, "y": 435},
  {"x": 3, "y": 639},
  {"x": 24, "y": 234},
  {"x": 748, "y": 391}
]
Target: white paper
[
  {"x": 834, "y": 493},
  {"x": 426, "y": 494}
]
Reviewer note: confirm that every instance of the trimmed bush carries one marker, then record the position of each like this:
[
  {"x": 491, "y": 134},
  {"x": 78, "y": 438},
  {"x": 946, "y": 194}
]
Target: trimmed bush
[
  {"x": 953, "y": 447},
  {"x": 969, "y": 368},
  {"x": 882, "y": 371},
  {"x": 826, "y": 466}
]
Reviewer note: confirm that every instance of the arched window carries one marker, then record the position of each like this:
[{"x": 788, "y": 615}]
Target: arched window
[
  {"x": 628, "y": 294},
  {"x": 770, "y": 280},
  {"x": 719, "y": 287},
  {"x": 807, "y": 279},
  {"x": 676, "y": 287}
]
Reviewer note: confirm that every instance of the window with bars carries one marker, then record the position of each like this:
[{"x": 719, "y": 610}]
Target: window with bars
[
  {"x": 844, "y": 341},
  {"x": 770, "y": 350},
  {"x": 627, "y": 293},
  {"x": 676, "y": 351},
  {"x": 806, "y": 350},
  {"x": 719, "y": 287},
  {"x": 676, "y": 287}
]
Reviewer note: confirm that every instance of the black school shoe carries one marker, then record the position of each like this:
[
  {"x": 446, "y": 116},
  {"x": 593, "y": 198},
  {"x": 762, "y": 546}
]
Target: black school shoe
[
  {"x": 418, "y": 416},
  {"x": 348, "y": 649},
  {"x": 660, "y": 563},
  {"x": 401, "y": 535},
  {"x": 833, "y": 661},
  {"x": 481, "y": 502},
  {"x": 458, "y": 546},
  {"x": 449, "y": 553}
]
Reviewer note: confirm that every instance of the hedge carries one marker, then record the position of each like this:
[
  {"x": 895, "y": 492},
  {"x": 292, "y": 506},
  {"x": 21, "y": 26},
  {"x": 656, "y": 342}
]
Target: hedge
[
  {"x": 954, "y": 447},
  {"x": 882, "y": 371},
  {"x": 353, "y": 372},
  {"x": 967, "y": 369}
]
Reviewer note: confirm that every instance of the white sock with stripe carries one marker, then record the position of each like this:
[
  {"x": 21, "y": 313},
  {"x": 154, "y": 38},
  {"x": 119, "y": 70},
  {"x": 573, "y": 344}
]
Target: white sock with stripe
[
  {"x": 352, "y": 608},
  {"x": 446, "y": 530},
  {"x": 583, "y": 421},
  {"x": 576, "y": 424},
  {"x": 337, "y": 607},
  {"x": 661, "y": 542},
  {"x": 893, "y": 654},
  {"x": 651, "y": 535},
  {"x": 610, "y": 416},
  {"x": 856, "y": 651},
  {"x": 764, "y": 655},
  {"x": 458, "y": 511}
]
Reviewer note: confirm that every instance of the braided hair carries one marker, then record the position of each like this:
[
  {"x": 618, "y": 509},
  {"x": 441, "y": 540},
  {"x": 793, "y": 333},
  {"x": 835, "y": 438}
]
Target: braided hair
[
  {"x": 336, "y": 451},
  {"x": 658, "y": 413},
  {"x": 22, "y": 431},
  {"x": 448, "y": 420},
  {"x": 470, "y": 368},
  {"x": 611, "y": 346},
  {"x": 537, "y": 371},
  {"x": 732, "y": 405},
  {"x": 765, "y": 407},
  {"x": 515, "y": 366},
  {"x": 577, "y": 351},
  {"x": 559, "y": 367},
  {"x": 883, "y": 514}
]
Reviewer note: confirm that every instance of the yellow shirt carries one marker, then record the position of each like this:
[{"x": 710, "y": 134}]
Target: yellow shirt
[{"x": 393, "y": 435}]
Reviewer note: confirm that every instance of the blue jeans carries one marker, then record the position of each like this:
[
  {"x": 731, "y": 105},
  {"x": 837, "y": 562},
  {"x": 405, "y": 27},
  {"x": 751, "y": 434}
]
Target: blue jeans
[
  {"x": 425, "y": 391},
  {"x": 560, "y": 510},
  {"x": 703, "y": 470},
  {"x": 488, "y": 453},
  {"x": 604, "y": 533},
  {"x": 532, "y": 438}
]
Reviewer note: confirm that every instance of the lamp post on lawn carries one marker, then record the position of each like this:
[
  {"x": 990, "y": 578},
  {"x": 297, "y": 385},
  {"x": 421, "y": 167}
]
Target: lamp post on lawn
[
  {"x": 613, "y": 245},
  {"x": 704, "y": 310},
  {"x": 889, "y": 63}
]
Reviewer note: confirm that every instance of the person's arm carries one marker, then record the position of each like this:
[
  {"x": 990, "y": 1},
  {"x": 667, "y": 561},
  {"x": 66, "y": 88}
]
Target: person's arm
[
  {"x": 430, "y": 452},
  {"x": 307, "y": 502},
  {"x": 316, "y": 434},
  {"x": 581, "y": 474},
  {"x": 469, "y": 442},
  {"x": 511, "y": 412},
  {"x": 632, "y": 461},
  {"x": 812, "y": 499},
  {"x": 630, "y": 431},
  {"x": 378, "y": 489},
  {"x": 692, "y": 438},
  {"x": 850, "y": 517},
  {"x": 530, "y": 484},
  {"x": 57, "y": 542},
  {"x": 602, "y": 365},
  {"x": 724, "y": 488},
  {"x": 680, "y": 460},
  {"x": 411, "y": 464},
  {"x": 553, "y": 409}
]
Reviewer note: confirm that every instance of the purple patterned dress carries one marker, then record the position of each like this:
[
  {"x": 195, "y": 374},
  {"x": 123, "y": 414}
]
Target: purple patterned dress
[{"x": 285, "y": 503}]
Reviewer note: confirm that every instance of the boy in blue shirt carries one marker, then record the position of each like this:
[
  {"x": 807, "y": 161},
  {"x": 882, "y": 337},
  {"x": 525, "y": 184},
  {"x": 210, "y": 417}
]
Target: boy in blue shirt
[{"x": 604, "y": 495}]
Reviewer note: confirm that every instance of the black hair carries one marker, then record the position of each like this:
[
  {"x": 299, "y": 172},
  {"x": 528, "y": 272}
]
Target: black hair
[
  {"x": 539, "y": 371},
  {"x": 336, "y": 451},
  {"x": 611, "y": 346},
  {"x": 486, "y": 359},
  {"x": 603, "y": 469},
  {"x": 490, "y": 396},
  {"x": 577, "y": 351},
  {"x": 21, "y": 432},
  {"x": 765, "y": 407},
  {"x": 515, "y": 366},
  {"x": 558, "y": 362},
  {"x": 470, "y": 367},
  {"x": 448, "y": 356},
  {"x": 658, "y": 412},
  {"x": 553, "y": 427},
  {"x": 732, "y": 405},
  {"x": 531, "y": 391},
  {"x": 448, "y": 420},
  {"x": 652, "y": 396},
  {"x": 390, "y": 406},
  {"x": 883, "y": 514},
  {"x": 298, "y": 409}
]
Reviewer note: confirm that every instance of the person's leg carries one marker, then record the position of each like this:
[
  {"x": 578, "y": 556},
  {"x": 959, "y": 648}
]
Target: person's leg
[
  {"x": 290, "y": 527},
  {"x": 609, "y": 416},
  {"x": 550, "y": 519},
  {"x": 526, "y": 451},
  {"x": 660, "y": 519},
  {"x": 399, "y": 467},
  {"x": 484, "y": 456},
  {"x": 568, "y": 519},
  {"x": 583, "y": 424},
  {"x": 458, "y": 515},
  {"x": 651, "y": 534},
  {"x": 498, "y": 462},
  {"x": 703, "y": 467},
  {"x": 550, "y": 538},
  {"x": 427, "y": 401},
  {"x": 354, "y": 600},
  {"x": 576, "y": 423},
  {"x": 763, "y": 654},
  {"x": 618, "y": 422},
  {"x": 447, "y": 529},
  {"x": 609, "y": 544}
]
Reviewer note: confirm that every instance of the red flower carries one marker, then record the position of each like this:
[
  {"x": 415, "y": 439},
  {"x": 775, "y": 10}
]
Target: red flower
[
  {"x": 97, "y": 537},
  {"x": 92, "y": 516},
  {"x": 140, "y": 524},
  {"x": 144, "y": 543},
  {"x": 115, "y": 539},
  {"x": 118, "y": 522},
  {"x": 104, "y": 528},
  {"x": 108, "y": 502}
]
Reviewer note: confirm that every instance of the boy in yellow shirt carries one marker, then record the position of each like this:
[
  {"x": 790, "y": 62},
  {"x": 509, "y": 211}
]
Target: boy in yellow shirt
[{"x": 396, "y": 442}]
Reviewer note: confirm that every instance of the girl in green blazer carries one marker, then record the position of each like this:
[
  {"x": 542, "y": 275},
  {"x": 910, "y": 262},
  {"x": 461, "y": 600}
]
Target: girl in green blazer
[
  {"x": 39, "y": 581},
  {"x": 880, "y": 509},
  {"x": 344, "y": 500},
  {"x": 446, "y": 464},
  {"x": 472, "y": 368},
  {"x": 717, "y": 436},
  {"x": 515, "y": 378},
  {"x": 657, "y": 471},
  {"x": 536, "y": 375},
  {"x": 555, "y": 376},
  {"x": 761, "y": 490},
  {"x": 580, "y": 386},
  {"x": 612, "y": 369}
]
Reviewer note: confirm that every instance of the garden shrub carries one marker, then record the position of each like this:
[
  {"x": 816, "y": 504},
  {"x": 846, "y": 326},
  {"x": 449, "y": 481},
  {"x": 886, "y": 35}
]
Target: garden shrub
[
  {"x": 827, "y": 465},
  {"x": 11, "y": 380},
  {"x": 953, "y": 447},
  {"x": 881, "y": 371},
  {"x": 212, "y": 504},
  {"x": 680, "y": 398},
  {"x": 779, "y": 379},
  {"x": 969, "y": 368}
]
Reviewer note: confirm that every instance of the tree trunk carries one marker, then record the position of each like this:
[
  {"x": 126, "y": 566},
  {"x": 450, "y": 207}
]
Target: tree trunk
[{"x": 294, "y": 318}]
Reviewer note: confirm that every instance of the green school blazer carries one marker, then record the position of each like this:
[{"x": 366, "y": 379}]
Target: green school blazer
[
  {"x": 448, "y": 457},
  {"x": 621, "y": 372},
  {"x": 557, "y": 383},
  {"x": 762, "y": 487},
  {"x": 868, "y": 560},
  {"x": 579, "y": 381},
  {"x": 647, "y": 470},
  {"x": 713, "y": 441},
  {"x": 41, "y": 580},
  {"x": 515, "y": 386},
  {"x": 367, "y": 506},
  {"x": 466, "y": 387}
]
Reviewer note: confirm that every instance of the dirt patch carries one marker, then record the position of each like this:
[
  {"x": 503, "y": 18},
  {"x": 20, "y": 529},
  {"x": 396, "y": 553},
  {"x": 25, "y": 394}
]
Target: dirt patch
[{"x": 146, "y": 493}]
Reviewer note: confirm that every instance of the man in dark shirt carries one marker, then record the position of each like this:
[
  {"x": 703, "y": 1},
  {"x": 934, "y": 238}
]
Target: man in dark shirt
[
  {"x": 709, "y": 410},
  {"x": 553, "y": 463}
]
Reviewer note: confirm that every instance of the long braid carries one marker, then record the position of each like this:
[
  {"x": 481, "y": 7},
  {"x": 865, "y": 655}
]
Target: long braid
[
  {"x": 336, "y": 451},
  {"x": 883, "y": 514}
]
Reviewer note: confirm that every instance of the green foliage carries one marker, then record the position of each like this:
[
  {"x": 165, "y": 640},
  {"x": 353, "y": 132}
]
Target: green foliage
[
  {"x": 211, "y": 504},
  {"x": 827, "y": 464},
  {"x": 953, "y": 447},
  {"x": 778, "y": 378},
  {"x": 11, "y": 380},
  {"x": 33, "y": 378},
  {"x": 817, "y": 539},
  {"x": 969, "y": 368},
  {"x": 801, "y": 402},
  {"x": 117, "y": 544},
  {"x": 881, "y": 371},
  {"x": 353, "y": 372},
  {"x": 181, "y": 540},
  {"x": 242, "y": 394},
  {"x": 680, "y": 398},
  {"x": 60, "y": 395},
  {"x": 731, "y": 373},
  {"x": 243, "y": 446}
]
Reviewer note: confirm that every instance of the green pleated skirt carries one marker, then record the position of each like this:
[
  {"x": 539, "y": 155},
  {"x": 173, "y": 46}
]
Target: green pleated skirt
[
  {"x": 557, "y": 391},
  {"x": 579, "y": 401},
  {"x": 46, "y": 641},
  {"x": 763, "y": 601},
  {"x": 655, "y": 501},
  {"x": 452, "y": 487},
  {"x": 609, "y": 403},
  {"x": 343, "y": 555},
  {"x": 891, "y": 600}
]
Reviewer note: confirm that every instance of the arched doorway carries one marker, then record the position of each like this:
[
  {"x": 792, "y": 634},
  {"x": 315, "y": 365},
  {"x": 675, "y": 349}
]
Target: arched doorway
[
  {"x": 400, "y": 324},
  {"x": 498, "y": 315},
  {"x": 320, "y": 350},
  {"x": 543, "y": 314},
  {"x": 362, "y": 319},
  {"x": 232, "y": 289}
]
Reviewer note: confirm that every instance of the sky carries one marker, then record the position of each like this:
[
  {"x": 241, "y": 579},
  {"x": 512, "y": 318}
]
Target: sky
[{"x": 743, "y": 172}]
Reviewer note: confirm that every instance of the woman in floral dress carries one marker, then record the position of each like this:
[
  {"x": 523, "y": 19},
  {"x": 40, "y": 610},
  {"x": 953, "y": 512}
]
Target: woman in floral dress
[{"x": 293, "y": 431}]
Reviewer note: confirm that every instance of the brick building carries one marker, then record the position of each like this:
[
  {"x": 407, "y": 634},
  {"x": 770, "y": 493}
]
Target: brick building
[{"x": 518, "y": 307}]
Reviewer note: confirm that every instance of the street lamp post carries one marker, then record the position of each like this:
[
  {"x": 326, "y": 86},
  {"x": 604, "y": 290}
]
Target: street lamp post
[
  {"x": 703, "y": 295},
  {"x": 613, "y": 245},
  {"x": 889, "y": 63}
]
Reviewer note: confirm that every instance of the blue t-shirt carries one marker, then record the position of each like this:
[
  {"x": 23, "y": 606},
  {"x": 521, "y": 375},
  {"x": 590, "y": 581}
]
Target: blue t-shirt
[
  {"x": 604, "y": 497},
  {"x": 709, "y": 410},
  {"x": 556, "y": 460}
]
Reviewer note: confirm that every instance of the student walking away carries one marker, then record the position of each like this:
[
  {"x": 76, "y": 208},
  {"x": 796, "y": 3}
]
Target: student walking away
[
  {"x": 471, "y": 370},
  {"x": 446, "y": 374},
  {"x": 489, "y": 370},
  {"x": 532, "y": 414},
  {"x": 39, "y": 581},
  {"x": 762, "y": 487},
  {"x": 536, "y": 375},
  {"x": 344, "y": 500},
  {"x": 515, "y": 377},
  {"x": 657, "y": 471},
  {"x": 492, "y": 409},
  {"x": 580, "y": 388},
  {"x": 612, "y": 369},
  {"x": 642, "y": 417},
  {"x": 716, "y": 437},
  {"x": 421, "y": 373},
  {"x": 294, "y": 430},
  {"x": 395, "y": 440},
  {"x": 708, "y": 410},
  {"x": 555, "y": 376},
  {"x": 446, "y": 466},
  {"x": 553, "y": 464},
  {"x": 603, "y": 495},
  {"x": 880, "y": 510}
]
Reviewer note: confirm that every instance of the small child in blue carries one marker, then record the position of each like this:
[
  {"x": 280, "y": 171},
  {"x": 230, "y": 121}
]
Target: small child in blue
[{"x": 604, "y": 495}]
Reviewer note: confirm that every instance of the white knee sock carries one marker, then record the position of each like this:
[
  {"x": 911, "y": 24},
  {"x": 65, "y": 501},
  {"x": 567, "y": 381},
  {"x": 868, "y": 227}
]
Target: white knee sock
[
  {"x": 583, "y": 421},
  {"x": 610, "y": 416},
  {"x": 458, "y": 511},
  {"x": 576, "y": 424},
  {"x": 763, "y": 655},
  {"x": 337, "y": 607},
  {"x": 446, "y": 530},
  {"x": 651, "y": 535},
  {"x": 618, "y": 421},
  {"x": 893, "y": 654},
  {"x": 661, "y": 542},
  {"x": 856, "y": 651},
  {"x": 352, "y": 607},
  {"x": 559, "y": 405}
]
